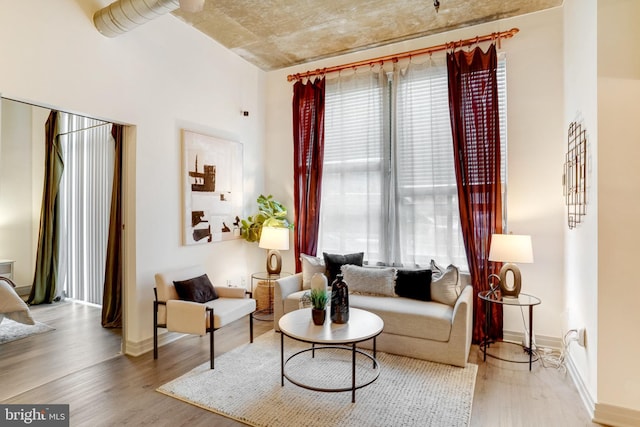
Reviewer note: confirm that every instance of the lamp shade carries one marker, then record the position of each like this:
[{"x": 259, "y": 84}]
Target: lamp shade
[
  {"x": 511, "y": 248},
  {"x": 274, "y": 238}
]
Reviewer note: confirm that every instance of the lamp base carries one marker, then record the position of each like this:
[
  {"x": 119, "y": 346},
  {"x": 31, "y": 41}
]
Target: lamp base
[
  {"x": 505, "y": 289},
  {"x": 274, "y": 262}
]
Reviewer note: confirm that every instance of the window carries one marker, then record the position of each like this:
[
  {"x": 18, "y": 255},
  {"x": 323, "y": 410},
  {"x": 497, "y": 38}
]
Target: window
[
  {"x": 389, "y": 186},
  {"x": 85, "y": 202}
]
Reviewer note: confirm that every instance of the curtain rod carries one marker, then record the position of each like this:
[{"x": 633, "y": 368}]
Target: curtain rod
[
  {"x": 44, "y": 107},
  {"x": 395, "y": 58},
  {"x": 83, "y": 129}
]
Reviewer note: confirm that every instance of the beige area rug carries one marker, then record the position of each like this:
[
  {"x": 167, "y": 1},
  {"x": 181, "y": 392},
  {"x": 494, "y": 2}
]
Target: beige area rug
[
  {"x": 245, "y": 386},
  {"x": 11, "y": 330}
]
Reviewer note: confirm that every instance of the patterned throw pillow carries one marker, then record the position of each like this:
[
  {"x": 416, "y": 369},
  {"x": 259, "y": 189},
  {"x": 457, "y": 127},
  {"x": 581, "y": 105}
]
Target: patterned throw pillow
[
  {"x": 305, "y": 300},
  {"x": 369, "y": 280},
  {"x": 446, "y": 287},
  {"x": 199, "y": 289}
]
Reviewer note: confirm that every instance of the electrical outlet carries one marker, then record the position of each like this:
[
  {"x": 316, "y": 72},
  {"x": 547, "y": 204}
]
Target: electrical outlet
[{"x": 582, "y": 337}]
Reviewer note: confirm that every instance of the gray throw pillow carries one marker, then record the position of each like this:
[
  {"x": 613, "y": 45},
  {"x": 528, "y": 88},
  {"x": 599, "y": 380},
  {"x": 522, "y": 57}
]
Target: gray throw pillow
[
  {"x": 446, "y": 287},
  {"x": 369, "y": 280}
]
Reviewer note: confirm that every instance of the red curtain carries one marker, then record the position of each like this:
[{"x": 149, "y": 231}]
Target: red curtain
[
  {"x": 473, "y": 106},
  {"x": 308, "y": 150}
]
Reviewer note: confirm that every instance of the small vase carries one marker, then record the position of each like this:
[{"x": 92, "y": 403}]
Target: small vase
[
  {"x": 318, "y": 316},
  {"x": 339, "y": 301}
]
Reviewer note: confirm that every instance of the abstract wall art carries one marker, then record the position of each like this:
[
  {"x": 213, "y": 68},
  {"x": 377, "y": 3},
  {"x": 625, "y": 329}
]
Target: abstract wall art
[{"x": 212, "y": 188}]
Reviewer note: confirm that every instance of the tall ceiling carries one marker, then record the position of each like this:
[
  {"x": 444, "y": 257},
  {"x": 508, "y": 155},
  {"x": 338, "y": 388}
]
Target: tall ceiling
[{"x": 274, "y": 34}]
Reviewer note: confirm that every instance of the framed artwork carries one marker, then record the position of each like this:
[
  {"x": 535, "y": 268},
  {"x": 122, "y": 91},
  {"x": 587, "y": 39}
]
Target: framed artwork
[{"x": 212, "y": 179}]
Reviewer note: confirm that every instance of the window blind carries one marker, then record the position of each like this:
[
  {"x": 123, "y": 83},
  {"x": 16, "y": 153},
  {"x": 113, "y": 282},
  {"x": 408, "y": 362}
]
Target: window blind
[{"x": 389, "y": 186}]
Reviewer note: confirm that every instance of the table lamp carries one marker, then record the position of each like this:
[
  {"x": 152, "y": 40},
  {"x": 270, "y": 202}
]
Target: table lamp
[
  {"x": 275, "y": 239},
  {"x": 510, "y": 248}
]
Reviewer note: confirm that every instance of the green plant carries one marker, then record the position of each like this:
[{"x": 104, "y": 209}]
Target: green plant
[
  {"x": 319, "y": 298},
  {"x": 271, "y": 213}
]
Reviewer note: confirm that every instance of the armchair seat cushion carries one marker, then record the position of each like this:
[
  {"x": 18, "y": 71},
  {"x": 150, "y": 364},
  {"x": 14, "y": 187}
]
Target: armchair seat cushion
[{"x": 227, "y": 310}]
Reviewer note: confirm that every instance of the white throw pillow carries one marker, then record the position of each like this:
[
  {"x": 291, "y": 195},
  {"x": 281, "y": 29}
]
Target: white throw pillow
[
  {"x": 369, "y": 280},
  {"x": 436, "y": 269},
  {"x": 310, "y": 266},
  {"x": 446, "y": 287}
]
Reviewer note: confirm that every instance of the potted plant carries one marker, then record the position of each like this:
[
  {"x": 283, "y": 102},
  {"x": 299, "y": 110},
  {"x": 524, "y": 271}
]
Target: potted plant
[
  {"x": 319, "y": 299},
  {"x": 271, "y": 213}
]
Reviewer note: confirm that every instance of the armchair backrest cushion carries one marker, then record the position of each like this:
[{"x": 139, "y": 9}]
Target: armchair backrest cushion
[{"x": 164, "y": 281}]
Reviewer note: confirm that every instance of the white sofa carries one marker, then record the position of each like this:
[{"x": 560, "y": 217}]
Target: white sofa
[{"x": 425, "y": 330}]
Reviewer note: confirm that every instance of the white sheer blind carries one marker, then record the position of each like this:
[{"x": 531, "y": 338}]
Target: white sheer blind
[
  {"x": 389, "y": 186},
  {"x": 88, "y": 153}
]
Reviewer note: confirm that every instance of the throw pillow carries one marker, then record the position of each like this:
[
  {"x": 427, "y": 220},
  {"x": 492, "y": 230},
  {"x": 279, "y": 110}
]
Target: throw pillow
[
  {"x": 369, "y": 280},
  {"x": 305, "y": 300},
  {"x": 446, "y": 288},
  {"x": 199, "y": 289},
  {"x": 414, "y": 284},
  {"x": 310, "y": 266},
  {"x": 437, "y": 269},
  {"x": 334, "y": 262}
]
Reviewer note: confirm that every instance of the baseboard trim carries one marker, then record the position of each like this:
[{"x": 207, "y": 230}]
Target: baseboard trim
[
  {"x": 616, "y": 416},
  {"x": 23, "y": 291},
  {"x": 583, "y": 391},
  {"x": 540, "y": 340},
  {"x": 600, "y": 413},
  {"x": 138, "y": 348}
]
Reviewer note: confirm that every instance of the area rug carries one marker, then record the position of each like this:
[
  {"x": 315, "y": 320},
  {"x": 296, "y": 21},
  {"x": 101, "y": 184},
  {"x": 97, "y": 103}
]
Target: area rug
[
  {"x": 245, "y": 386},
  {"x": 11, "y": 330}
]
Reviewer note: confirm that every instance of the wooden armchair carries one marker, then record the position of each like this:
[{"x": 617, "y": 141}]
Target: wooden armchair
[{"x": 188, "y": 317}]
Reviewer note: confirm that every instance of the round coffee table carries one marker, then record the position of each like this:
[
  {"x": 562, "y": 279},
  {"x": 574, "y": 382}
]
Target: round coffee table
[{"x": 362, "y": 326}]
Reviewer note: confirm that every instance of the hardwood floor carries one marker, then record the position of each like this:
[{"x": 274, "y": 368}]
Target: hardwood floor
[{"x": 79, "y": 364}]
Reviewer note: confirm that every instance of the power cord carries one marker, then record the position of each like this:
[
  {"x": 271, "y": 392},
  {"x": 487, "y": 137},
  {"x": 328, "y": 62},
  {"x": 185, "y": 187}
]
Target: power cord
[
  {"x": 556, "y": 358},
  {"x": 550, "y": 358}
]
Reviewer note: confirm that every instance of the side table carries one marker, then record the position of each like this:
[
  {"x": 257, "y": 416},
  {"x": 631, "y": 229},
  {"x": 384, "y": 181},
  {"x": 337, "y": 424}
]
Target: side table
[
  {"x": 269, "y": 279},
  {"x": 523, "y": 300}
]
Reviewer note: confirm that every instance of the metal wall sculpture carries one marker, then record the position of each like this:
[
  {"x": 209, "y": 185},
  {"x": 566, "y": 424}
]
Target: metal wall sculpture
[{"x": 575, "y": 174}]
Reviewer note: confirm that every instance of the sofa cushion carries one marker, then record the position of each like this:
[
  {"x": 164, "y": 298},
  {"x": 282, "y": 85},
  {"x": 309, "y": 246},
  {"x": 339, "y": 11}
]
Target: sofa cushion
[
  {"x": 310, "y": 266},
  {"x": 197, "y": 289},
  {"x": 408, "y": 317},
  {"x": 369, "y": 280},
  {"x": 446, "y": 287},
  {"x": 334, "y": 262},
  {"x": 414, "y": 284}
]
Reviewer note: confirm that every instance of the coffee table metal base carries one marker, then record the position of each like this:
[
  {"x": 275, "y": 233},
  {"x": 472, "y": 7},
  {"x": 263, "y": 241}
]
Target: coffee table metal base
[{"x": 314, "y": 347}]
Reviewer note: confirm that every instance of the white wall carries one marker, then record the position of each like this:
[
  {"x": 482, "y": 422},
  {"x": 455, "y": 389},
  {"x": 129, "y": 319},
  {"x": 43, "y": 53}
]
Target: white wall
[
  {"x": 161, "y": 77},
  {"x": 535, "y": 112},
  {"x": 21, "y": 178},
  {"x": 16, "y": 240},
  {"x": 618, "y": 207},
  {"x": 581, "y": 245}
]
